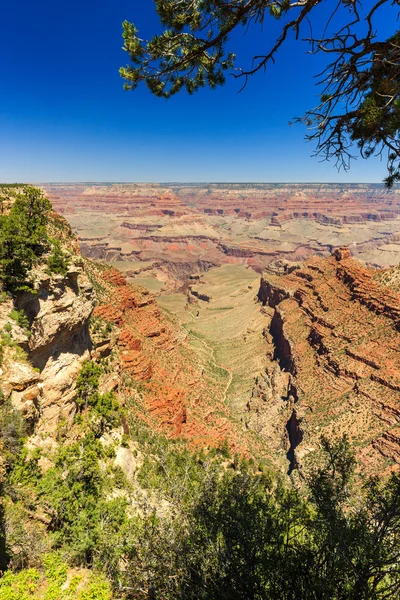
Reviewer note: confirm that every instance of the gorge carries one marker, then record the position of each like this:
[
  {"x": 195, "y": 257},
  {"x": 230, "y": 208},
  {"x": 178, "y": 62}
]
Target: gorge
[{"x": 134, "y": 419}]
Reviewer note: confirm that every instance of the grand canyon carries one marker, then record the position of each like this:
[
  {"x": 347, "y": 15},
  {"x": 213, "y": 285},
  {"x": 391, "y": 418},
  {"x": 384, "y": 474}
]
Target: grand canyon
[
  {"x": 295, "y": 337},
  {"x": 199, "y": 367},
  {"x": 174, "y": 359},
  {"x": 160, "y": 234}
]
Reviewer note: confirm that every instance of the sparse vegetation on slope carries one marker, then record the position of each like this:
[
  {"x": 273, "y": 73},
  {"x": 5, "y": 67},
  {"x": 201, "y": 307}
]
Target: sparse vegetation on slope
[{"x": 202, "y": 526}]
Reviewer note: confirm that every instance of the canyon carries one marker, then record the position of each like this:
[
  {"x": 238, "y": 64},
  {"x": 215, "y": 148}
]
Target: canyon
[
  {"x": 121, "y": 404},
  {"x": 159, "y": 234},
  {"x": 335, "y": 331},
  {"x": 312, "y": 350},
  {"x": 264, "y": 356}
]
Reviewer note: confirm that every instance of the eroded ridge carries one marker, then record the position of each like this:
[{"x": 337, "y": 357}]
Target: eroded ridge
[
  {"x": 335, "y": 329},
  {"x": 154, "y": 351},
  {"x": 159, "y": 235}
]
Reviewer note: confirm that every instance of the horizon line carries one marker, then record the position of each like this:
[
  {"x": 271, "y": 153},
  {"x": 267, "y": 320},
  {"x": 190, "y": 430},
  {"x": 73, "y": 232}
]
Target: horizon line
[{"x": 177, "y": 182}]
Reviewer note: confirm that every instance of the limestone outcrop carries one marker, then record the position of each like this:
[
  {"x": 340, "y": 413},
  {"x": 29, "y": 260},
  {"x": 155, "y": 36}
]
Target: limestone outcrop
[{"x": 42, "y": 381}]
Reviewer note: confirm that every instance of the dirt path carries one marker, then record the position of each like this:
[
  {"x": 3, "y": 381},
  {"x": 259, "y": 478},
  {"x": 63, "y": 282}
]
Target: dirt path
[
  {"x": 211, "y": 353},
  {"x": 229, "y": 381}
]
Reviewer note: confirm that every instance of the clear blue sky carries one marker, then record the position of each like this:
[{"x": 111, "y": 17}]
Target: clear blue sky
[{"x": 65, "y": 117}]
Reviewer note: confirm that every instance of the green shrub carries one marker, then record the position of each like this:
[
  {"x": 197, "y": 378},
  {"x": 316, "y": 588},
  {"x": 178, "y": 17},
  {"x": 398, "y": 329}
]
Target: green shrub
[
  {"x": 87, "y": 382},
  {"x": 6, "y": 339},
  {"x": 58, "y": 261},
  {"x": 223, "y": 448},
  {"x": 20, "y": 318},
  {"x": 23, "y": 238},
  {"x": 103, "y": 406},
  {"x": 12, "y": 431},
  {"x": 125, "y": 441},
  {"x": 55, "y": 569},
  {"x": 19, "y": 586},
  {"x": 20, "y": 354},
  {"x": 85, "y": 519},
  {"x": 97, "y": 589},
  {"x": 26, "y": 539},
  {"x": 25, "y": 469},
  {"x": 31, "y": 584}
]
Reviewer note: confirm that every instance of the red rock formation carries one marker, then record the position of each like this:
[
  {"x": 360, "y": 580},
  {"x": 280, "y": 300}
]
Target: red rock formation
[
  {"x": 336, "y": 330},
  {"x": 155, "y": 353},
  {"x": 185, "y": 229}
]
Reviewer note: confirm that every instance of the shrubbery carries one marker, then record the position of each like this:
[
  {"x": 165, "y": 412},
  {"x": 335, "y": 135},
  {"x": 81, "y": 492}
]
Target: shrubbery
[
  {"x": 20, "y": 318},
  {"x": 104, "y": 406},
  {"x": 191, "y": 526},
  {"x": 53, "y": 584},
  {"x": 58, "y": 261},
  {"x": 7, "y": 341},
  {"x": 225, "y": 532},
  {"x": 85, "y": 519},
  {"x": 23, "y": 237},
  {"x": 12, "y": 432},
  {"x": 243, "y": 536}
]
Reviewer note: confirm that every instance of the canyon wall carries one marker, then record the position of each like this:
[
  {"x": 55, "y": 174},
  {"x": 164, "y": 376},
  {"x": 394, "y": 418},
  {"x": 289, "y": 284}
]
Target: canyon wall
[
  {"x": 42, "y": 378},
  {"x": 335, "y": 330}
]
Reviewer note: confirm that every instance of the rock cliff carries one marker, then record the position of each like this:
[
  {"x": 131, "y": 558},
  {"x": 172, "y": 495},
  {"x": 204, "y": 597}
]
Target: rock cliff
[
  {"x": 153, "y": 352},
  {"x": 44, "y": 331},
  {"x": 335, "y": 330},
  {"x": 41, "y": 379}
]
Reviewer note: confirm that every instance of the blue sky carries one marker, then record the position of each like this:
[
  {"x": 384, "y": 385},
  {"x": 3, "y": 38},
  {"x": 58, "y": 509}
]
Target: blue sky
[{"x": 65, "y": 117}]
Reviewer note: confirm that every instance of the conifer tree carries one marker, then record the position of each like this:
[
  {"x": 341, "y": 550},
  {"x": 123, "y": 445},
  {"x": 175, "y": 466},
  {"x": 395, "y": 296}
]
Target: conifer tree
[
  {"x": 23, "y": 236},
  {"x": 359, "y": 102}
]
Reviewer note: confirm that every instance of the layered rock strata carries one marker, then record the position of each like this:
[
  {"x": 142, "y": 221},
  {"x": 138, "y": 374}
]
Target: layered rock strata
[
  {"x": 159, "y": 235},
  {"x": 335, "y": 330},
  {"x": 154, "y": 351}
]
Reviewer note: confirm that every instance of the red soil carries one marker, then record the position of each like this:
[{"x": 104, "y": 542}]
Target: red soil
[{"x": 156, "y": 354}]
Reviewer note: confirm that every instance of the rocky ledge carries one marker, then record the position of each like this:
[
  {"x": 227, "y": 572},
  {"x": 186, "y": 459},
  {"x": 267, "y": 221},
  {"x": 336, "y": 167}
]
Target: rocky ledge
[{"x": 41, "y": 375}]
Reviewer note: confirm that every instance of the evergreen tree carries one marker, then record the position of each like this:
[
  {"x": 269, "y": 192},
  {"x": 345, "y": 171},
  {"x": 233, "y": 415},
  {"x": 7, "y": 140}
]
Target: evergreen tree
[
  {"x": 23, "y": 236},
  {"x": 58, "y": 260},
  {"x": 360, "y": 92}
]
